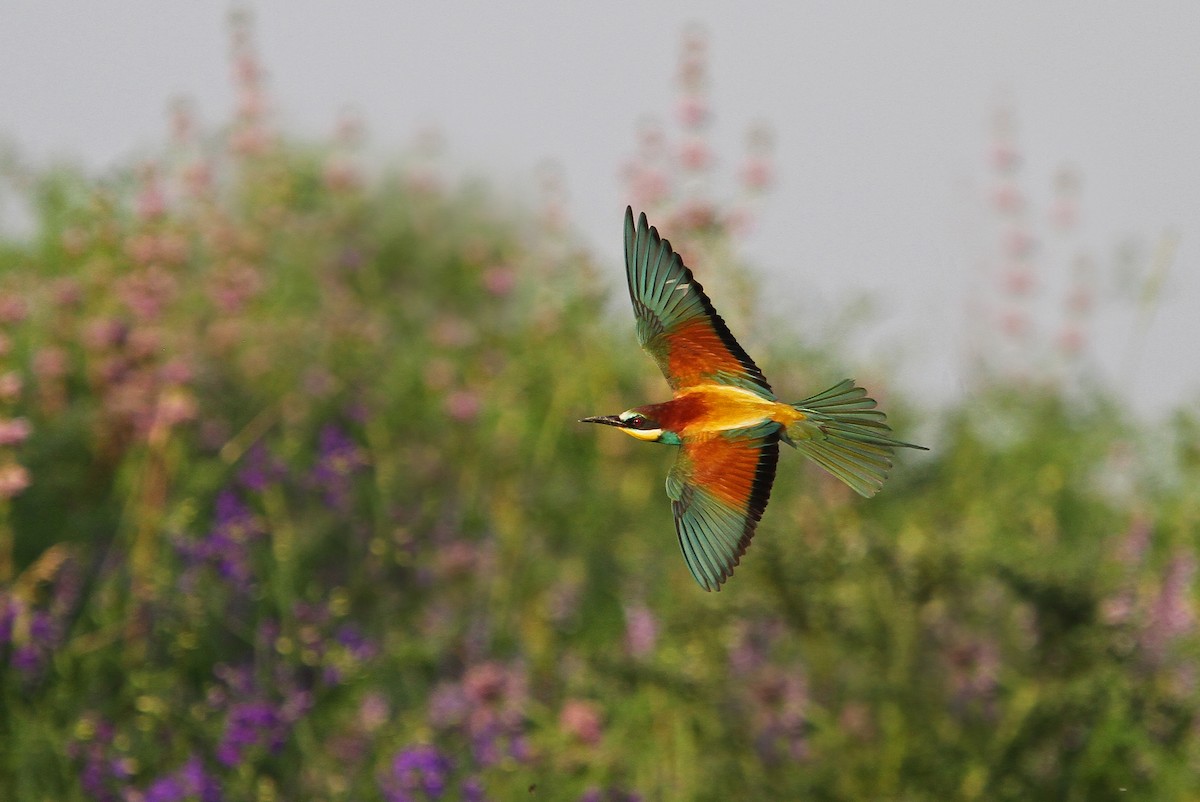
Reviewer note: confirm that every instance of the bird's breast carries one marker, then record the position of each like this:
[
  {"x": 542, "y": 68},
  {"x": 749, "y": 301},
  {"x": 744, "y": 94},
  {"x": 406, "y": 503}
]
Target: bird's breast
[{"x": 715, "y": 408}]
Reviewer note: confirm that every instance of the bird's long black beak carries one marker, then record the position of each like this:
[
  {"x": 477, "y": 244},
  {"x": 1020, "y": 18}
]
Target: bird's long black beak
[{"x": 607, "y": 420}]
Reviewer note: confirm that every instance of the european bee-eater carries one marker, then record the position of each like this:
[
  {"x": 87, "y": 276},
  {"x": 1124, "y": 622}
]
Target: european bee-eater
[{"x": 724, "y": 415}]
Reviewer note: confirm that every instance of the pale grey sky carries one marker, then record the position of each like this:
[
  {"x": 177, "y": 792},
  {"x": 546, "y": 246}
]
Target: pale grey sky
[{"x": 881, "y": 115}]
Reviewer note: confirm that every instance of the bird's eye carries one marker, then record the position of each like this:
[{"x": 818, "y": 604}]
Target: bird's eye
[{"x": 638, "y": 422}]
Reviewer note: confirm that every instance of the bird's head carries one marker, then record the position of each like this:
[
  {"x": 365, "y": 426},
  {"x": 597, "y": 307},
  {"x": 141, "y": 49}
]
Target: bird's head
[{"x": 639, "y": 423}]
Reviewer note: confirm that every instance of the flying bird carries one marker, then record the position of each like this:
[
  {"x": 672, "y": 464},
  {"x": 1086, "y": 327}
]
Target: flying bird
[{"x": 725, "y": 418}]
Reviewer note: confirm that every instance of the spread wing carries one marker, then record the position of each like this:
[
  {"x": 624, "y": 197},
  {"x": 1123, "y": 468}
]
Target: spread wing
[
  {"x": 719, "y": 487},
  {"x": 676, "y": 323}
]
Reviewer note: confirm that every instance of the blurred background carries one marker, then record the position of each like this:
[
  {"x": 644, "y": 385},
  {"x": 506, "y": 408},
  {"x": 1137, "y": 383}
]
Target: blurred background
[{"x": 298, "y": 307}]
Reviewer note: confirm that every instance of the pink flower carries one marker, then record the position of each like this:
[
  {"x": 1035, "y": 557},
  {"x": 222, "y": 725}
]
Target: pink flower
[
  {"x": 11, "y": 385},
  {"x": 756, "y": 174},
  {"x": 739, "y": 222},
  {"x": 641, "y": 631},
  {"x": 318, "y": 382},
  {"x": 250, "y": 140},
  {"x": 246, "y": 69},
  {"x": 494, "y": 684},
  {"x": 251, "y": 103},
  {"x": 151, "y": 202},
  {"x": 648, "y": 186},
  {"x": 50, "y": 362},
  {"x": 457, "y": 559},
  {"x": 340, "y": 175},
  {"x": 148, "y": 292},
  {"x": 374, "y": 711},
  {"x": 1007, "y": 198},
  {"x": 1071, "y": 340},
  {"x": 452, "y": 332},
  {"x": 1018, "y": 280},
  {"x": 1173, "y": 614},
  {"x": 463, "y": 405},
  {"x": 174, "y": 407},
  {"x": 142, "y": 249},
  {"x": 198, "y": 178},
  {"x": 13, "y": 479},
  {"x": 1133, "y": 546},
  {"x": 13, "y": 309},
  {"x": 499, "y": 280},
  {"x": 104, "y": 333},
  {"x": 693, "y": 70},
  {"x": 1014, "y": 324},
  {"x": 144, "y": 343},
  {"x": 1005, "y": 157},
  {"x": 67, "y": 293},
  {"x": 177, "y": 370},
  {"x": 14, "y": 432},
  {"x": 695, "y": 215},
  {"x": 1018, "y": 243},
  {"x": 695, "y": 154},
  {"x": 693, "y": 111},
  {"x": 582, "y": 720}
]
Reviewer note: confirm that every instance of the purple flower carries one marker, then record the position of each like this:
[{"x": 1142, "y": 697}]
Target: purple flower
[
  {"x": 358, "y": 645},
  {"x": 189, "y": 782},
  {"x": 166, "y": 789},
  {"x": 249, "y": 725},
  {"x": 338, "y": 458},
  {"x": 232, "y": 515},
  {"x": 42, "y": 628},
  {"x": 95, "y": 776},
  {"x": 1172, "y": 615},
  {"x": 99, "y": 774},
  {"x": 27, "y": 659},
  {"x": 260, "y": 469},
  {"x": 641, "y": 631},
  {"x": 487, "y": 706},
  {"x": 609, "y": 795},
  {"x": 472, "y": 790},
  {"x": 418, "y": 769},
  {"x": 226, "y": 548}
]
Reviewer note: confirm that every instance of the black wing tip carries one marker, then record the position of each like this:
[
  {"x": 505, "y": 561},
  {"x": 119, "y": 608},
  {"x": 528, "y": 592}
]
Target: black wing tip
[{"x": 764, "y": 478}]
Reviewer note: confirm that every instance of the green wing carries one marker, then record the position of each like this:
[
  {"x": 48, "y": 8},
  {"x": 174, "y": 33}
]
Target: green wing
[
  {"x": 719, "y": 488},
  {"x": 676, "y": 322}
]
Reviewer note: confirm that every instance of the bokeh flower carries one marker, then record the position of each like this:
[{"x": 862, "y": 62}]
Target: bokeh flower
[
  {"x": 14, "y": 479},
  {"x": 417, "y": 773},
  {"x": 582, "y": 720},
  {"x": 641, "y": 631},
  {"x": 14, "y": 431}
]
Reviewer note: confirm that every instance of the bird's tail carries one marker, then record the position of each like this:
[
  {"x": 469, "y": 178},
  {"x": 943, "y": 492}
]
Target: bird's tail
[{"x": 843, "y": 433}]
